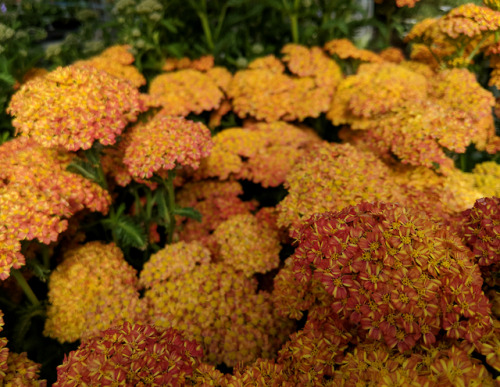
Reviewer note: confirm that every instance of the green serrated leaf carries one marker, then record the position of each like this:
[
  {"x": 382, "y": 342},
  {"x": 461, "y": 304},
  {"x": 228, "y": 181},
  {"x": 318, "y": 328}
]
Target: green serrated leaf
[
  {"x": 128, "y": 232},
  {"x": 188, "y": 212}
]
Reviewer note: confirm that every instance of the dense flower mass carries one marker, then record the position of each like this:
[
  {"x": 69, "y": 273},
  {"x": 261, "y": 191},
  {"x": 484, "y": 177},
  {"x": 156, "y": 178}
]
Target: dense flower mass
[
  {"x": 162, "y": 142},
  {"x": 265, "y": 92},
  {"x": 414, "y": 117},
  {"x": 263, "y": 153},
  {"x": 185, "y": 91},
  {"x": 390, "y": 274},
  {"x": 74, "y": 106},
  {"x": 91, "y": 290},
  {"x": 345, "y": 49},
  {"x": 37, "y": 196},
  {"x": 116, "y": 61},
  {"x": 330, "y": 177},
  {"x": 131, "y": 354},
  {"x": 247, "y": 244},
  {"x": 216, "y": 305},
  {"x": 487, "y": 178}
]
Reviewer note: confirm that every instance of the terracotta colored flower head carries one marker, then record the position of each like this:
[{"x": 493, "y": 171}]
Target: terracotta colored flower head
[
  {"x": 131, "y": 354},
  {"x": 393, "y": 274},
  {"x": 162, "y": 143},
  {"x": 93, "y": 289},
  {"x": 37, "y": 196},
  {"x": 216, "y": 305},
  {"x": 74, "y": 106}
]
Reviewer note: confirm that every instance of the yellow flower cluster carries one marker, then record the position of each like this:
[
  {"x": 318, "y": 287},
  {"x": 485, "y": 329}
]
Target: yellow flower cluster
[
  {"x": 93, "y": 289},
  {"x": 487, "y": 178},
  {"x": 203, "y": 63},
  {"x": 188, "y": 91},
  {"x": 247, "y": 244},
  {"x": 345, "y": 49},
  {"x": 116, "y": 61},
  {"x": 73, "y": 106},
  {"x": 263, "y": 153},
  {"x": 217, "y": 306},
  {"x": 330, "y": 177},
  {"x": 37, "y": 195},
  {"x": 265, "y": 92},
  {"x": 414, "y": 117},
  {"x": 162, "y": 142}
]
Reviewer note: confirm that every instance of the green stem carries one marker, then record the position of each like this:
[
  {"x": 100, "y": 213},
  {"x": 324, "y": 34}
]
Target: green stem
[
  {"x": 169, "y": 187},
  {"x": 206, "y": 26},
  {"x": 45, "y": 257},
  {"x": 25, "y": 286},
  {"x": 294, "y": 21},
  {"x": 463, "y": 162}
]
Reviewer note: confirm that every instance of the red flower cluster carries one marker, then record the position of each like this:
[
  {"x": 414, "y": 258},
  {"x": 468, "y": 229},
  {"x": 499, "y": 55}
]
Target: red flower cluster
[
  {"x": 131, "y": 355},
  {"x": 392, "y": 274}
]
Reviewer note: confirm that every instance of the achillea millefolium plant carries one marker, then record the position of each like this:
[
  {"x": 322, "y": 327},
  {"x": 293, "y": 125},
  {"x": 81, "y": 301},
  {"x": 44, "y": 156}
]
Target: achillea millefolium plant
[{"x": 307, "y": 220}]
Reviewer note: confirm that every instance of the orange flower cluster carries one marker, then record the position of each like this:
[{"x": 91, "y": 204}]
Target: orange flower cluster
[
  {"x": 388, "y": 273},
  {"x": 330, "y": 177},
  {"x": 116, "y": 61},
  {"x": 247, "y": 244},
  {"x": 454, "y": 39},
  {"x": 131, "y": 355},
  {"x": 163, "y": 142},
  {"x": 17, "y": 369},
  {"x": 203, "y": 63},
  {"x": 263, "y": 153},
  {"x": 214, "y": 304},
  {"x": 414, "y": 117},
  {"x": 345, "y": 49},
  {"x": 195, "y": 87},
  {"x": 93, "y": 289},
  {"x": 73, "y": 106},
  {"x": 37, "y": 195},
  {"x": 265, "y": 92},
  {"x": 217, "y": 201}
]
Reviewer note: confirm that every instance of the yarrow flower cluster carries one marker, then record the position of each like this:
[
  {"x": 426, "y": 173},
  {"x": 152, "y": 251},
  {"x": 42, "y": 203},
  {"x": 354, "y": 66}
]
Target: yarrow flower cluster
[
  {"x": 131, "y": 354},
  {"x": 262, "y": 153},
  {"x": 265, "y": 92},
  {"x": 391, "y": 274},
  {"x": 93, "y": 289},
  {"x": 414, "y": 117},
  {"x": 215, "y": 305},
  {"x": 116, "y": 61},
  {"x": 74, "y": 106},
  {"x": 345, "y": 49},
  {"x": 37, "y": 196},
  {"x": 162, "y": 142}
]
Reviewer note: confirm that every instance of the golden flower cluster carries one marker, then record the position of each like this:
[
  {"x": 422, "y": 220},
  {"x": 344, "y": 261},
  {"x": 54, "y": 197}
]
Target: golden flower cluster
[
  {"x": 265, "y": 92},
  {"x": 414, "y": 117},
  {"x": 131, "y": 354},
  {"x": 247, "y": 244},
  {"x": 203, "y": 63},
  {"x": 93, "y": 289},
  {"x": 116, "y": 61},
  {"x": 487, "y": 178},
  {"x": 217, "y": 201},
  {"x": 37, "y": 196},
  {"x": 163, "y": 142},
  {"x": 217, "y": 306},
  {"x": 388, "y": 273},
  {"x": 330, "y": 177},
  {"x": 74, "y": 106},
  {"x": 263, "y": 153},
  {"x": 345, "y": 49}
]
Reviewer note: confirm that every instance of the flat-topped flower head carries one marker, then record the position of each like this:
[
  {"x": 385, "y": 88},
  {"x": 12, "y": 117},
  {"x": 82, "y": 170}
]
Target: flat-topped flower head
[
  {"x": 219, "y": 307},
  {"x": 37, "y": 196},
  {"x": 131, "y": 354},
  {"x": 116, "y": 61},
  {"x": 487, "y": 178},
  {"x": 247, "y": 244},
  {"x": 185, "y": 91},
  {"x": 74, "y": 106},
  {"x": 392, "y": 273},
  {"x": 345, "y": 49},
  {"x": 330, "y": 177},
  {"x": 93, "y": 289},
  {"x": 22, "y": 371},
  {"x": 265, "y": 92},
  {"x": 164, "y": 142}
]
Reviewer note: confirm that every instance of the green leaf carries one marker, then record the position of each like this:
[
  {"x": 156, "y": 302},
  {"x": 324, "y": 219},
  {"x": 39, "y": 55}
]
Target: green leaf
[
  {"x": 128, "y": 231},
  {"x": 38, "y": 269},
  {"x": 188, "y": 212},
  {"x": 7, "y": 78},
  {"x": 23, "y": 324}
]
